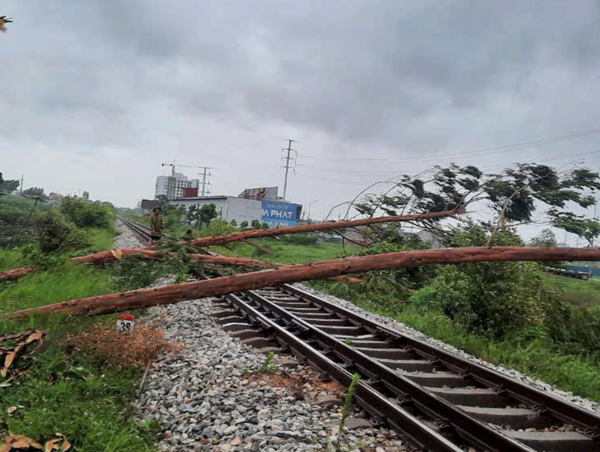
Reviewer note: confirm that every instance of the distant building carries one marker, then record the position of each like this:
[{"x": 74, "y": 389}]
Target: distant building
[
  {"x": 54, "y": 197},
  {"x": 173, "y": 186},
  {"x": 274, "y": 213},
  {"x": 85, "y": 195}
]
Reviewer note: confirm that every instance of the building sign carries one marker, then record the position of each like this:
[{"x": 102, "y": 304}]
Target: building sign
[
  {"x": 277, "y": 213},
  {"x": 260, "y": 193}
]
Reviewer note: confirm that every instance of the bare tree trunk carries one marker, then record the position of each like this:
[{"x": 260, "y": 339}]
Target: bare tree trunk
[
  {"x": 273, "y": 232},
  {"x": 144, "y": 298}
]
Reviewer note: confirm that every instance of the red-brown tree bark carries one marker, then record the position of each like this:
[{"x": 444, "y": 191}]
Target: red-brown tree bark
[
  {"x": 17, "y": 273},
  {"x": 273, "y": 232},
  {"x": 114, "y": 255},
  {"x": 144, "y": 298}
]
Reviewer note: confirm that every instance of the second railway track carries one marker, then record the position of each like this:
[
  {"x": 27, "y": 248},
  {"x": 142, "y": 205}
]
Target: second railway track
[{"x": 436, "y": 401}]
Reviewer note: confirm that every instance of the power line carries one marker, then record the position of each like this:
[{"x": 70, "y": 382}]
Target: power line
[
  {"x": 384, "y": 173},
  {"x": 205, "y": 182},
  {"x": 502, "y": 165},
  {"x": 287, "y": 166},
  {"x": 472, "y": 153}
]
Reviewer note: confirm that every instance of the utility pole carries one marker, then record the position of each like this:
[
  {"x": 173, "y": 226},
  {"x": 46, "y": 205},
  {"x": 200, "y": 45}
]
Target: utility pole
[
  {"x": 21, "y": 189},
  {"x": 287, "y": 166},
  {"x": 205, "y": 181}
]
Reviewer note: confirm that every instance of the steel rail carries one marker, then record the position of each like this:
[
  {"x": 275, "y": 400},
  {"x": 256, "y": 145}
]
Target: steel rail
[
  {"x": 441, "y": 411},
  {"x": 409, "y": 427},
  {"x": 558, "y": 408}
]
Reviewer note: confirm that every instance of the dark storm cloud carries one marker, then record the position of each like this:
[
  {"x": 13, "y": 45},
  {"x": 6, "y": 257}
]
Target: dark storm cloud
[
  {"x": 357, "y": 69},
  {"x": 147, "y": 80}
]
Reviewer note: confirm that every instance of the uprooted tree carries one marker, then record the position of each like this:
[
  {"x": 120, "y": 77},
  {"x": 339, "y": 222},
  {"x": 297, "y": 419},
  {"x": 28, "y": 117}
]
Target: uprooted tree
[{"x": 431, "y": 202}]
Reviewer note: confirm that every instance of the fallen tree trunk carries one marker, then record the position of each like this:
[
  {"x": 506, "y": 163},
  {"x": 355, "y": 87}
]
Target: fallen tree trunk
[
  {"x": 144, "y": 298},
  {"x": 115, "y": 255},
  {"x": 11, "y": 275},
  {"x": 111, "y": 256},
  {"x": 273, "y": 232}
]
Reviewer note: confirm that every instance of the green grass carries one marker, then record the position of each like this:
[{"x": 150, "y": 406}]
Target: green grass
[
  {"x": 576, "y": 291},
  {"x": 10, "y": 259},
  {"x": 287, "y": 253},
  {"x": 78, "y": 396},
  {"x": 538, "y": 358}
]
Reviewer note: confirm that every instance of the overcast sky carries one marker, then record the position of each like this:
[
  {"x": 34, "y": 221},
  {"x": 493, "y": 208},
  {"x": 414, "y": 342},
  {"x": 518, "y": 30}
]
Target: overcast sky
[{"x": 95, "y": 95}]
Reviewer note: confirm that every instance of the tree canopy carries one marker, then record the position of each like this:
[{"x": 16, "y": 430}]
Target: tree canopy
[
  {"x": 515, "y": 195},
  {"x": 8, "y": 186}
]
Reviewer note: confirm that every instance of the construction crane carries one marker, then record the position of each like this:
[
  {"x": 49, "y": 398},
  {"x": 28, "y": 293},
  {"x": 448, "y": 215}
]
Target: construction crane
[
  {"x": 205, "y": 174},
  {"x": 173, "y": 166}
]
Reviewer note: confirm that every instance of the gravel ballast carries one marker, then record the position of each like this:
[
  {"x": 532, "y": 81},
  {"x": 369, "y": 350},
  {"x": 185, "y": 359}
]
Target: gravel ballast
[
  {"x": 204, "y": 400},
  {"x": 126, "y": 238}
]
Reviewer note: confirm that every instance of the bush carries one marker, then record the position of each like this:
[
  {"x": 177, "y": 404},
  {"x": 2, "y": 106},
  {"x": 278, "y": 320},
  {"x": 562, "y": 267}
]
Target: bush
[
  {"x": 490, "y": 298},
  {"x": 256, "y": 224},
  {"x": 87, "y": 215},
  {"x": 56, "y": 232},
  {"x": 218, "y": 226},
  {"x": 244, "y": 224},
  {"x": 300, "y": 239},
  {"x": 233, "y": 223}
]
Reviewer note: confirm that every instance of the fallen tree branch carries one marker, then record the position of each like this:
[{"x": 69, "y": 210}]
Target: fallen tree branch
[
  {"x": 257, "y": 246},
  {"x": 144, "y": 298}
]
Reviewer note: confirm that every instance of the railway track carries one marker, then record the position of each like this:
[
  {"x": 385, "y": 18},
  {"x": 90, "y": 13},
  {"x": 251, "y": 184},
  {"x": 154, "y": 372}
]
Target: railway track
[
  {"x": 141, "y": 230},
  {"x": 435, "y": 400}
]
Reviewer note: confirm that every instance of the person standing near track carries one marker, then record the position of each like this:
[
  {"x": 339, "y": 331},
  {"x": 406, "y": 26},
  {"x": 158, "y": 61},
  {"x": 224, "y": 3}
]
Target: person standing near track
[{"x": 156, "y": 225}]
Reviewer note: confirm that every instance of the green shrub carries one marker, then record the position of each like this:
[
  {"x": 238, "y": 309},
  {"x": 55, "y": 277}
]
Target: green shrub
[
  {"x": 56, "y": 232},
  {"x": 489, "y": 298},
  {"x": 256, "y": 224},
  {"x": 233, "y": 223},
  {"x": 87, "y": 215},
  {"x": 244, "y": 224},
  {"x": 218, "y": 226}
]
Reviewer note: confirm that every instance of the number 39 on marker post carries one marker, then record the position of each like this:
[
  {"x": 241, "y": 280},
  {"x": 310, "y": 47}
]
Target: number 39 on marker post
[{"x": 125, "y": 323}]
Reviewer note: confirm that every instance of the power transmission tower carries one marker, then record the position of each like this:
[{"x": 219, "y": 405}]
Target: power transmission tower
[
  {"x": 205, "y": 174},
  {"x": 287, "y": 166}
]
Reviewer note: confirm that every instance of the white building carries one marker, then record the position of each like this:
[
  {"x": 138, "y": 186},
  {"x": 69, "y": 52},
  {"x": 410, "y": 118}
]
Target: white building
[
  {"x": 172, "y": 186},
  {"x": 228, "y": 207}
]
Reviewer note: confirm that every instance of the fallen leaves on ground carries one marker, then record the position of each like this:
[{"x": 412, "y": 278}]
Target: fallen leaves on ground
[
  {"x": 15, "y": 443},
  {"x": 143, "y": 344},
  {"x": 19, "y": 341}
]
